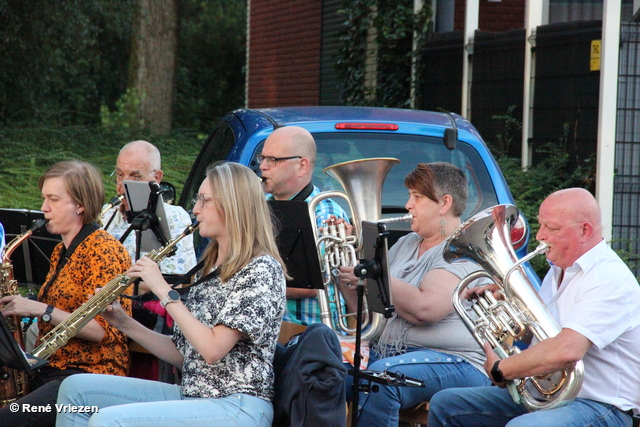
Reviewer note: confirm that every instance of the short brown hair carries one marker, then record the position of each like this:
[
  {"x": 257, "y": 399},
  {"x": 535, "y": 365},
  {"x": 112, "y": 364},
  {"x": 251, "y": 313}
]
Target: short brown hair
[
  {"x": 84, "y": 185},
  {"x": 435, "y": 180}
]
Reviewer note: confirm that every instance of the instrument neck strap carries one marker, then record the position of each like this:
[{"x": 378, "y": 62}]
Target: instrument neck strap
[
  {"x": 188, "y": 275},
  {"x": 65, "y": 254}
]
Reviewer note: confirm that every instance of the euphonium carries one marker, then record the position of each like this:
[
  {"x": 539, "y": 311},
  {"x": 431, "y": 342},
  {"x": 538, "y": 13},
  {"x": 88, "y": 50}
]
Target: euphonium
[
  {"x": 70, "y": 326},
  {"x": 362, "y": 181},
  {"x": 14, "y": 384},
  {"x": 484, "y": 239}
]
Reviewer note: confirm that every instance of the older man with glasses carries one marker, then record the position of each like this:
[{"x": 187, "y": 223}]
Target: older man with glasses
[
  {"x": 140, "y": 161},
  {"x": 287, "y": 161}
]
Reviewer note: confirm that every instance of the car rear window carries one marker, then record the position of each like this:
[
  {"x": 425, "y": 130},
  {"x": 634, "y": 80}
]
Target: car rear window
[{"x": 410, "y": 150}]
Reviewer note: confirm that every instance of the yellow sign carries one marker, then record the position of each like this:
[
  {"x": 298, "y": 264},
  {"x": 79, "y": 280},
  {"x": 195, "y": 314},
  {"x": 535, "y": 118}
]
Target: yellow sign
[{"x": 595, "y": 55}]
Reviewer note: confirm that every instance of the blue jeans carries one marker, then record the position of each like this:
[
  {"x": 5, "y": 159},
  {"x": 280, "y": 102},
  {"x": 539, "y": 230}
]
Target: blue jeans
[
  {"x": 493, "y": 406},
  {"x": 123, "y": 401},
  {"x": 437, "y": 370}
]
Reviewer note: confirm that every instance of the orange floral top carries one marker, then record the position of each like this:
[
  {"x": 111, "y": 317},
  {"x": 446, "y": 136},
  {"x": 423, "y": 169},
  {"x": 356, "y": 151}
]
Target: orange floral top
[{"x": 96, "y": 261}]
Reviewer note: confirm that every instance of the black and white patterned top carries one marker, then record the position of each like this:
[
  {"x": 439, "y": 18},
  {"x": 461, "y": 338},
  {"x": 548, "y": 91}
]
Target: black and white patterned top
[{"x": 252, "y": 301}]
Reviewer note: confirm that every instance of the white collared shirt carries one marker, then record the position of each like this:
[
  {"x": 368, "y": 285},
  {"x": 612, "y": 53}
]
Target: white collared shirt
[
  {"x": 177, "y": 218},
  {"x": 599, "y": 298}
]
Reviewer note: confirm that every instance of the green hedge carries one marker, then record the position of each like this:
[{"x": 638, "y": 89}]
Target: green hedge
[{"x": 28, "y": 151}]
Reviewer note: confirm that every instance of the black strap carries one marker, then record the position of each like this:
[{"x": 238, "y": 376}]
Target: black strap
[
  {"x": 148, "y": 296},
  {"x": 117, "y": 211},
  {"x": 188, "y": 275},
  {"x": 304, "y": 193},
  {"x": 209, "y": 276},
  {"x": 65, "y": 254}
]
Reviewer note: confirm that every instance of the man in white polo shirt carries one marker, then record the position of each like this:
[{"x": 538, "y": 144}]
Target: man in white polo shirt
[{"x": 595, "y": 299}]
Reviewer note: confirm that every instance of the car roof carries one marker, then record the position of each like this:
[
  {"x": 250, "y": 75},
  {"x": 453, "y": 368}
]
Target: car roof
[{"x": 317, "y": 118}]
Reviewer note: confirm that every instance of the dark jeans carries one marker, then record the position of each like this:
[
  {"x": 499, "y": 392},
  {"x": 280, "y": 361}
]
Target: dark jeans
[{"x": 44, "y": 393}]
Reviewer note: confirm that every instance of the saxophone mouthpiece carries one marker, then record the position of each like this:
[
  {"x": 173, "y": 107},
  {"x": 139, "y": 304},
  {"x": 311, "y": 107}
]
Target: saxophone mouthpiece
[
  {"x": 116, "y": 201},
  {"x": 38, "y": 224},
  {"x": 190, "y": 229}
]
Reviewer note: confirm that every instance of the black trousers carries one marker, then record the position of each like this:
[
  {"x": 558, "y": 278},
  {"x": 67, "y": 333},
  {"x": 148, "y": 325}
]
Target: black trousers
[{"x": 44, "y": 393}]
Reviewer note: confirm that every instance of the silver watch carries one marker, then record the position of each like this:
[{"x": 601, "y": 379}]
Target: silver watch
[{"x": 171, "y": 296}]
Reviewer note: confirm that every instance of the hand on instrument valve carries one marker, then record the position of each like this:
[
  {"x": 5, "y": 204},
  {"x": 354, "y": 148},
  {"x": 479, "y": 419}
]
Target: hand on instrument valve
[
  {"x": 16, "y": 305},
  {"x": 475, "y": 293},
  {"x": 335, "y": 221}
]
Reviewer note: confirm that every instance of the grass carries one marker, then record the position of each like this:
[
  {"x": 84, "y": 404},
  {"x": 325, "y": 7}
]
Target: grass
[{"x": 26, "y": 152}]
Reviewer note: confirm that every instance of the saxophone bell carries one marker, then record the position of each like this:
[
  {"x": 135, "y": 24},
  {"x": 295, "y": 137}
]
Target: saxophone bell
[{"x": 13, "y": 383}]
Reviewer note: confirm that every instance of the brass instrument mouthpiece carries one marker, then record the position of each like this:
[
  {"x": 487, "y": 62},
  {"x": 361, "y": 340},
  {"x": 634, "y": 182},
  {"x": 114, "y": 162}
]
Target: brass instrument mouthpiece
[
  {"x": 116, "y": 201},
  {"x": 406, "y": 217}
]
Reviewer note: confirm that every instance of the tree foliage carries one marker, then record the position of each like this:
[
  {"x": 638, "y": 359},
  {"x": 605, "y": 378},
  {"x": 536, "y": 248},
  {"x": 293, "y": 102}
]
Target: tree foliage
[
  {"x": 384, "y": 31},
  {"x": 211, "y": 61},
  {"x": 61, "y": 60},
  {"x": 554, "y": 171},
  {"x": 67, "y": 62}
]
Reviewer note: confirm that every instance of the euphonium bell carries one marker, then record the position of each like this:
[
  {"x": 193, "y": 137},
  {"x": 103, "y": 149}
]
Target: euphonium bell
[
  {"x": 362, "y": 181},
  {"x": 485, "y": 240}
]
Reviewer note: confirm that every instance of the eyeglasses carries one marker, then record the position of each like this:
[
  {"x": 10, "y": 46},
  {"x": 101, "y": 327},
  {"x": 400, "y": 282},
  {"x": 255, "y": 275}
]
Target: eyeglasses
[
  {"x": 271, "y": 161},
  {"x": 119, "y": 177},
  {"x": 202, "y": 199}
]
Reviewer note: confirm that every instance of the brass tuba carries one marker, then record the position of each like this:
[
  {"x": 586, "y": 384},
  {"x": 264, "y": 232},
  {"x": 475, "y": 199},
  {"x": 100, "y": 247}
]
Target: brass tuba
[
  {"x": 13, "y": 383},
  {"x": 484, "y": 239},
  {"x": 362, "y": 181}
]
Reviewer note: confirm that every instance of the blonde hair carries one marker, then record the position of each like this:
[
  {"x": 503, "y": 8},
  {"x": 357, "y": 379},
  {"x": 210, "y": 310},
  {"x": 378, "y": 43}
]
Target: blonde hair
[
  {"x": 84, "y": 185},
  {"x": 238, "y": 195}
]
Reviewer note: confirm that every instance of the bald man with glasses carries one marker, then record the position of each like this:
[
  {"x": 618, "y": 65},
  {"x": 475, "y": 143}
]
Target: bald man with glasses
[{"x": 286, "y": 162}]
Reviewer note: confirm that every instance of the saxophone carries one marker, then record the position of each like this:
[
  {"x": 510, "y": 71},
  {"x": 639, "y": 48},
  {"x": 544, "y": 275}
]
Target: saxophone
[
  {"x": 13, "y": 383},
  {"x": 68, "y": 328}
]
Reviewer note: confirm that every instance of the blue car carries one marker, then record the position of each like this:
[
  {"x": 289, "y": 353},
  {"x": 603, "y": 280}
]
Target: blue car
[{"x": 350, "y": 133}]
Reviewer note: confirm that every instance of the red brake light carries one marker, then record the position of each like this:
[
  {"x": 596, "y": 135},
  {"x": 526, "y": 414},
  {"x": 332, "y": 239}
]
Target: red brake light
[
  {"x": 366, "y": 126},
  {"x": 518, "y": 234}
]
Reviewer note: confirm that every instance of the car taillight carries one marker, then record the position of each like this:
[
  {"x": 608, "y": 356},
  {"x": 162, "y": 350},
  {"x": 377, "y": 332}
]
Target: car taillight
[
  {"x": 366, "y": 126},
  {"x": 518, "y": 233}
]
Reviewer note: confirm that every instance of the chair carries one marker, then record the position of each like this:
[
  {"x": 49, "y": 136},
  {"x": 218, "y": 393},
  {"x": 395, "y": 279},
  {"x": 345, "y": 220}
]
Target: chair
[
  {"x": 416, "y": 416},
  {"x": 288, "y": 330}
]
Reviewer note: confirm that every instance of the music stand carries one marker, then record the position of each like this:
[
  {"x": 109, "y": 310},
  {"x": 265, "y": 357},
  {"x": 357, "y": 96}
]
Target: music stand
[
  {"x": 374, "y": 269},
  {"x": 297, "y": 244},
  {"x": 375, "y": 248},
  {"x": 31, "y": 260},
  {"x": 146, "y": 216},
  {"x": 12, "y": 356}
]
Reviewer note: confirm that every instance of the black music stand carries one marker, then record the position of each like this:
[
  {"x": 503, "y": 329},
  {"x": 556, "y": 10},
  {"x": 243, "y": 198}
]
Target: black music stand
[
  {"x": 374, "y": 269},
  {"x": 12, "y": 356},
  {"x": 31, "y": 260},
  {"x": 297, "y": 244},
  {"x": 143, "y": 219}
]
